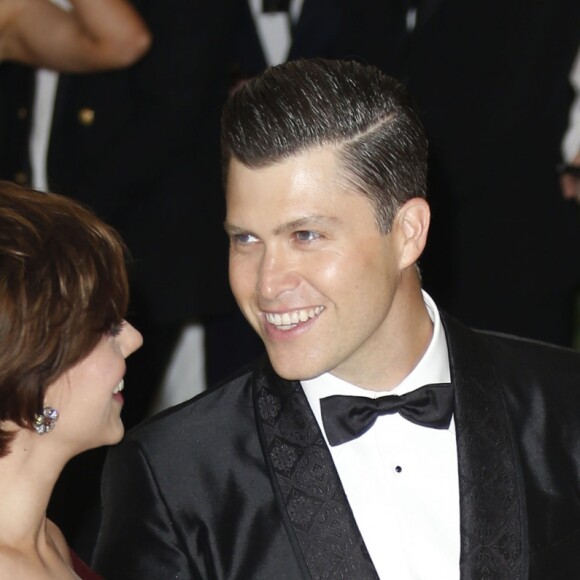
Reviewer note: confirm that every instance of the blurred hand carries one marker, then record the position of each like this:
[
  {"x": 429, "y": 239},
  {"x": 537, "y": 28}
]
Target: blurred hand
[{"x": 570, "y": 184}]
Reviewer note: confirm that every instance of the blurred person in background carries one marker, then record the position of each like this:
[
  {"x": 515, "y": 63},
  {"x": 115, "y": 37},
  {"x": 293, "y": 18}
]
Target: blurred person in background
[
  {"x": 274, "y": 31},
  {"x": 491, "y": 81},
  {"x": 89, "y": 36},
  {"x": 570, "y": 169}
]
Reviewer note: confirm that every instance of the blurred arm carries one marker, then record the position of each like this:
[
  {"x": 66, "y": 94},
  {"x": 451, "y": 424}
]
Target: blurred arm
[{"x": 94, "y": 35}]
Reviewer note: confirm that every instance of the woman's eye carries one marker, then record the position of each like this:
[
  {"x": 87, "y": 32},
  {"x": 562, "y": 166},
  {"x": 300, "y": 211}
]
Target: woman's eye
[
  {"x": 306, "y": 236},
  {"x": 116, "y": 329}
]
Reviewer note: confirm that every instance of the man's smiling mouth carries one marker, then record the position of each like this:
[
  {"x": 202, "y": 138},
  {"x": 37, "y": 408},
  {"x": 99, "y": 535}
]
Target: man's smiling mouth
[{"x": 289, "y": 319}]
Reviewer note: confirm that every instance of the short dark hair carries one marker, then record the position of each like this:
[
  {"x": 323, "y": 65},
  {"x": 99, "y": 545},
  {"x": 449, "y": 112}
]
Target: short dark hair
[
  {"x": 305, "y": 104},
  {"x": 63, "y": 285}
]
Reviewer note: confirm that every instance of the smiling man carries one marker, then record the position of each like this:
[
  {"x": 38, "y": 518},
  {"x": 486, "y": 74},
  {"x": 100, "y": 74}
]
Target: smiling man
[
  {"x": 318, "y": 279},
  {"x": 379, "y": 438}
]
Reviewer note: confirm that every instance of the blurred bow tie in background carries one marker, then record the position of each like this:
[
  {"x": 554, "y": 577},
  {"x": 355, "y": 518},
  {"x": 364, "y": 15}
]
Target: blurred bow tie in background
[
  {"x": 345, "y": 417},
  {"x": 275, "y": 6}
]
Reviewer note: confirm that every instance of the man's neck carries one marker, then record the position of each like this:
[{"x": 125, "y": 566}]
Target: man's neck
[
  {"x": 400, "y": 345},
  {"x": 431, "y": 367}
]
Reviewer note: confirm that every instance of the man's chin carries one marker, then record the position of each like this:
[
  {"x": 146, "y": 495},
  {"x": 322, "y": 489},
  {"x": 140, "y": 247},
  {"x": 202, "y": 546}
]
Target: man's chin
[{"x": 291, "y": 370}]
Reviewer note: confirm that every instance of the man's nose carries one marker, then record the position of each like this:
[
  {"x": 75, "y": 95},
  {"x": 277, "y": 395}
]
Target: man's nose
[{"x": 278, "y": 274}]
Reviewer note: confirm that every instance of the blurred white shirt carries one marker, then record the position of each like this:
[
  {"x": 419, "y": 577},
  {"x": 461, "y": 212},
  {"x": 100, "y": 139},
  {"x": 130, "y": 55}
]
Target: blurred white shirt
[
  {"x": 273, "y": 30},
  {"x": 42, "y": 109}
]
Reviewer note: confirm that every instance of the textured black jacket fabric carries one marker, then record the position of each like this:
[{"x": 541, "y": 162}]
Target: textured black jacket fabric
[{"x": 239, "y": 484}]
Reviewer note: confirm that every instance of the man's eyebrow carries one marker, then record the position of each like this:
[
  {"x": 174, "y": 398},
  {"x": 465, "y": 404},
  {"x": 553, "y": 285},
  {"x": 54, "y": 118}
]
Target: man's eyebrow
[
  {"x": 299, "y": 223},
  {"x": 232, "y": 230},
  {"x": 306, "y": 222}
]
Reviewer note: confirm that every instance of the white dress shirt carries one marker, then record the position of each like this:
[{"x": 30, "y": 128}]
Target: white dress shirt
[
  {"x": 401, "y": 479},
  {"x": 571, "y": 142},
  {"x": 42, "y": 110},
  {"x": 43, "y": 107}
]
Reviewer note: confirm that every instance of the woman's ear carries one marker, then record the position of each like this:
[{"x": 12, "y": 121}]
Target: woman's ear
[{"x": 412, "y": 225}]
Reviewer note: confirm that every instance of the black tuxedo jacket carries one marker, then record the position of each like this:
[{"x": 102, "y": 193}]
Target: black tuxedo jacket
[{"x": 239, "y": 484}]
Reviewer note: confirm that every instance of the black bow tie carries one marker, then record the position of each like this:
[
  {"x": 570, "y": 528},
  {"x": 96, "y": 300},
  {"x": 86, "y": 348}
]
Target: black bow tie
[{"x": 345, "y": 418}]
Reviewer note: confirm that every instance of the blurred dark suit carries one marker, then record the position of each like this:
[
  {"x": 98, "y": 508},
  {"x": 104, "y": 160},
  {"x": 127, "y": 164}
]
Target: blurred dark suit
[
  {"x": 315, "y": 34},
  {"x": 491, "y": 81}
]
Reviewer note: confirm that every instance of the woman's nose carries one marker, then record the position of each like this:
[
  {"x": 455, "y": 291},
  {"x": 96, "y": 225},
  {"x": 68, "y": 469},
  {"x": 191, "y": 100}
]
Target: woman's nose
[{"x": 130, "y": 339}]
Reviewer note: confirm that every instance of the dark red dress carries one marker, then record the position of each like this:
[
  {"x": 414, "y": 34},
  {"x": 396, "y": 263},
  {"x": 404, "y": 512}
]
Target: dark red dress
[{"x": 82, "y": 570}]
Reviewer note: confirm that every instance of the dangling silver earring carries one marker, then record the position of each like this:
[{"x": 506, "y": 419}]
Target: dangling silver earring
[{"x": 45, "y": 422}]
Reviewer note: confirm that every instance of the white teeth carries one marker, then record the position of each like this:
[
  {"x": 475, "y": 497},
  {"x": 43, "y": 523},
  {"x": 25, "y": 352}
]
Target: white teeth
[
  {"x": 288, "y": 319},
  {"x": 119, "y": 387}
]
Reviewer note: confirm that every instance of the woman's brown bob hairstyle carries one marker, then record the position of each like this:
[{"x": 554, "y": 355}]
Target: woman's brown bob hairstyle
[{"x": 63, "y": 285}]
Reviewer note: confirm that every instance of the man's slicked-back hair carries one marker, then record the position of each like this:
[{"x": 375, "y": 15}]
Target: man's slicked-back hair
[{"x": 366, "y": 115}]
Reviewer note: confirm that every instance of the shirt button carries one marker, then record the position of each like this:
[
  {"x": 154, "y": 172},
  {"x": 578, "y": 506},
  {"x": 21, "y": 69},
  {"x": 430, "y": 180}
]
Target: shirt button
[
  {"x": 398, "y": 469},
  {"x": 21, "y": 178},
  {"x": 86, "y": 116}
]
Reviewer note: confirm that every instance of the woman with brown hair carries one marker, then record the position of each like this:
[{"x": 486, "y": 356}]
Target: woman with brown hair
[
  {"x": 63, "y": 344},
  {"x": 93, "y": 35}
]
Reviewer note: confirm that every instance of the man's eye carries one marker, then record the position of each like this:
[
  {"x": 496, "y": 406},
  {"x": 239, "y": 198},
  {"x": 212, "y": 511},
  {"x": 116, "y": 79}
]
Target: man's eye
[
  {"x": 244, "y": 239},
  {"x": 306, "y": 236}
]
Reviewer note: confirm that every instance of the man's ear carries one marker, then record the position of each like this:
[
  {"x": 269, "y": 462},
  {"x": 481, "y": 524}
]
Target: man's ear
[{"x": 412, "y": 225}]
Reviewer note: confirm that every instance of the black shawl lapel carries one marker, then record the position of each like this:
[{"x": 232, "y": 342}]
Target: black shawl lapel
[
  {"x": 316, "y": 513},
  {"x": 493, "y": 520}
]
